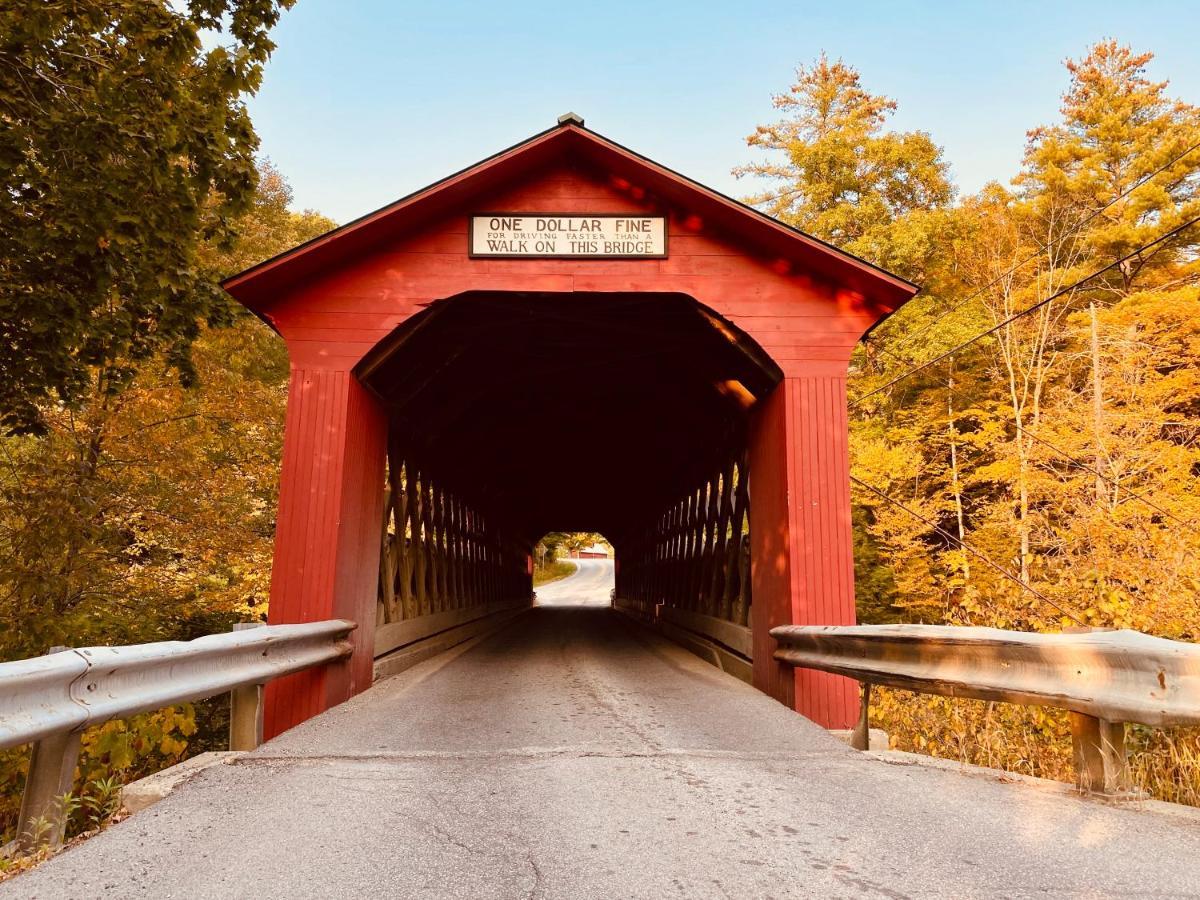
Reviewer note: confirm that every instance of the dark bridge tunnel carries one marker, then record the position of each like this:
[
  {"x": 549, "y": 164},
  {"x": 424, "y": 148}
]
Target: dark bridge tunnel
[
  {"x": 512, "y": 414},
  {"x": 585, "y": 412}
]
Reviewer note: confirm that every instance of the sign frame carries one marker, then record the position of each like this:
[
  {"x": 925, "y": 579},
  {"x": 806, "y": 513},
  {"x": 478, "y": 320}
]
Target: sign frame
[{"x": 666, "y": 242}]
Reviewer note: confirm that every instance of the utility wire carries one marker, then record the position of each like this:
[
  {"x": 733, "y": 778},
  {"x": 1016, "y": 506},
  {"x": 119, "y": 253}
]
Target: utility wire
[
  {"x": 1016, "y": 579},
  {"x": 1079, "y": 464},
  {"x": 1073, "y": 231},
  {"x": 1031, "y": 308},
  {"x": 1011, "y": 576}
]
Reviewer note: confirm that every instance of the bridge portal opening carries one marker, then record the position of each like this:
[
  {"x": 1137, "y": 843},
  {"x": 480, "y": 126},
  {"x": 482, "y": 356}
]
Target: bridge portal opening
[{"x": 512, "y": 413}]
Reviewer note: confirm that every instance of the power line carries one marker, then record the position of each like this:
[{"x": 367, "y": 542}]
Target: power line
[
  {"x": 1032, "y": 308},
  {"x": 1072, "y": 232},
  {"x": 1016, "y": 579},
  {"x": 1079, "y": 464}
]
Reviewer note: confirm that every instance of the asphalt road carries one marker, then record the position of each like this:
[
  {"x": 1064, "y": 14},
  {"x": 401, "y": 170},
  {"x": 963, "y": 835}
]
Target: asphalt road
[
  {"x": 568, "y": 757},
  {"x": 588, "y": 586}
]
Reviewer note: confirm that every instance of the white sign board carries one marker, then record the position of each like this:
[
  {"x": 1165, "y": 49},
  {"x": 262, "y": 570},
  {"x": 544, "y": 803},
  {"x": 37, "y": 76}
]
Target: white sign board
[{"x": 601, "y": 236}]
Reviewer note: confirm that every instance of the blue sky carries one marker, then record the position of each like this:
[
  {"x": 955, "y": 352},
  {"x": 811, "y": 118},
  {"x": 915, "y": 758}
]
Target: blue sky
[{"x": 367, "y": 100}]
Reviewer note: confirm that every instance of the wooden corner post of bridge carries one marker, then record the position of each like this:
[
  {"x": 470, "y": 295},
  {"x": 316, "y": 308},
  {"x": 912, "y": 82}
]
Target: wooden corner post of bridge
[
  {"x": 327, "y": 531},
  {"x": 800, "y": 529}
]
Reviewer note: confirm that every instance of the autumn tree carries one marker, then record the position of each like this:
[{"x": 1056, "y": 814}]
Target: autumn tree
[
  {"x": 1081, "y": 204},
  {"x": 144, "y": 514},
  {"x": 843, "y": 177},
  {"x": 125, "y": 146},
  {"x": 271, "y": 226},
  {"x": 1124, "y": 526},
  {"x": 1119, "y": 129},
  {"x": 1062, "y": 442},
  {"x": 993, "y": 457},
  {"x": 556, "y": 542},
  {"x": 149, "y": 514}
]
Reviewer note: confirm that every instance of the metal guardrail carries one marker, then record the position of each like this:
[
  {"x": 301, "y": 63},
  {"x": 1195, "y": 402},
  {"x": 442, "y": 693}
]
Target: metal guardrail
[
  {"x": 1104, "y": 678},
  {"x": 50, "y": 700}
]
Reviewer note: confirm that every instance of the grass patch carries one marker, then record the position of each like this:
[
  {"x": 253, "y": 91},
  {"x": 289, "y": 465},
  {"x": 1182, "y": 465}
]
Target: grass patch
[
  {"x": 557, "y": 570},
  {"x": 1032, "y": 740}
]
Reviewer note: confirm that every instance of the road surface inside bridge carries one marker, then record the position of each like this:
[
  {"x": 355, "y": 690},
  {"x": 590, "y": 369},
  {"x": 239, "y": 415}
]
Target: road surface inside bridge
[{"x": 571, "y": 755}]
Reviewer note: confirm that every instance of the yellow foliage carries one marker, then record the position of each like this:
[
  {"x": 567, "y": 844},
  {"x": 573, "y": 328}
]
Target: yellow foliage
[
  {"x": 1057, "y": 457},
  {"x": 147, "y": 512}
]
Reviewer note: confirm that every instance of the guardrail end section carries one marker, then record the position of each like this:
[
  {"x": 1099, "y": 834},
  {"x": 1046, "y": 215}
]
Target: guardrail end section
[{"x": 43, "y": 817}]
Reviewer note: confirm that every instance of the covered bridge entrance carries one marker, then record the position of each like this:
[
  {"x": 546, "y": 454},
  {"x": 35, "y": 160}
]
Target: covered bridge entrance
[{"x": 565, "y": 305}]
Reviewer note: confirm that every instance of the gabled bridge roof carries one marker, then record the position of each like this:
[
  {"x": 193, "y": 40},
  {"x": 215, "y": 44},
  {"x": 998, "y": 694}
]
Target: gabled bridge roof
[{"x": 267, "y": 281}]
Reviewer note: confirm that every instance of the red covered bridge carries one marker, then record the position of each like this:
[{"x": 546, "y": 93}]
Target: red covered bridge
[
  {"x": 440, "y": 351},
  {"x": 458, "y": 358}
]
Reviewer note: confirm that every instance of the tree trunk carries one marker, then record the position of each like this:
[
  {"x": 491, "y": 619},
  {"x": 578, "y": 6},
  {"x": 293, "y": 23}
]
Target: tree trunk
[
  {"x": 955, "y": 484},
  {"x": 1102, "y": 495}
]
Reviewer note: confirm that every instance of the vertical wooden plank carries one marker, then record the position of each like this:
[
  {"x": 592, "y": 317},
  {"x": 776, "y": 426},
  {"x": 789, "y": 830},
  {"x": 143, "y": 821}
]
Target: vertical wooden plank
[
  {"x": 771, "y": 553},
  {"x": 406, "y": 493},
  {"x": 472, "y": 592},
  {"x": 695, "y": 576},
  {"x": 354, "y": 577},
  {"x": 476, "y": 595},
  {"x": 739, "y": 585},
  {"x": 452, "y": 551},
  {"x": 450, "y": 598},
  {"x": 713, "y": 517},
  {"x": 287, "y": 698},
  {"x": 387, "y": 562},
  {"x": 720, "y": 552},
  {"x": 431, "y": 544},
  {"x": 694, "y": 532},
  {"x": 421, "y": 542},
  {"x": 437, "y": 520}
]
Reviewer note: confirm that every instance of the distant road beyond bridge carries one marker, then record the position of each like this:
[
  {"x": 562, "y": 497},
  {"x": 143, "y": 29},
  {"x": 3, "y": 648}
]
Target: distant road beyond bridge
[{"x": 573, "y": 755}]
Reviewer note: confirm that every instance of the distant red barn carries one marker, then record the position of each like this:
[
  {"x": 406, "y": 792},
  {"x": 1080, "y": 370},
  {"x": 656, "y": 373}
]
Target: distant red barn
[{"x": 593, "y": 552}]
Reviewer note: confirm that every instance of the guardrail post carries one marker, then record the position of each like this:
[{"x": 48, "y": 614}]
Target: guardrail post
[
  {"x": 246, "y": 709},
  {"x": 1099, "y": 750},
  {"x": 1098, "y": 745},
  {"x": 52, "y": 761},
  {"x": 860, "y": 737}
]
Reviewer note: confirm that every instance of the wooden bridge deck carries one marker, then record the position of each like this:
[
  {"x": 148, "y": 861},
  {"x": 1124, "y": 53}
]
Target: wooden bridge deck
[{"x": 568, "y": 756}]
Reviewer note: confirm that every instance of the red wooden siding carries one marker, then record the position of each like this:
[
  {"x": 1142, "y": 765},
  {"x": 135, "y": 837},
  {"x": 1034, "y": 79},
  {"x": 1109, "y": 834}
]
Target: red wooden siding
[
  {"x": 335, "y": 319},
  {"x": 336, "y": 299}
]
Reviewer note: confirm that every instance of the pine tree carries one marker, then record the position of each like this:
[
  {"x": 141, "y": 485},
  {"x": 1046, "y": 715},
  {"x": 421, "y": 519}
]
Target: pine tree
[
  {"x": 1118, "y": 129},
  {"x": 845, "y": 178}
]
